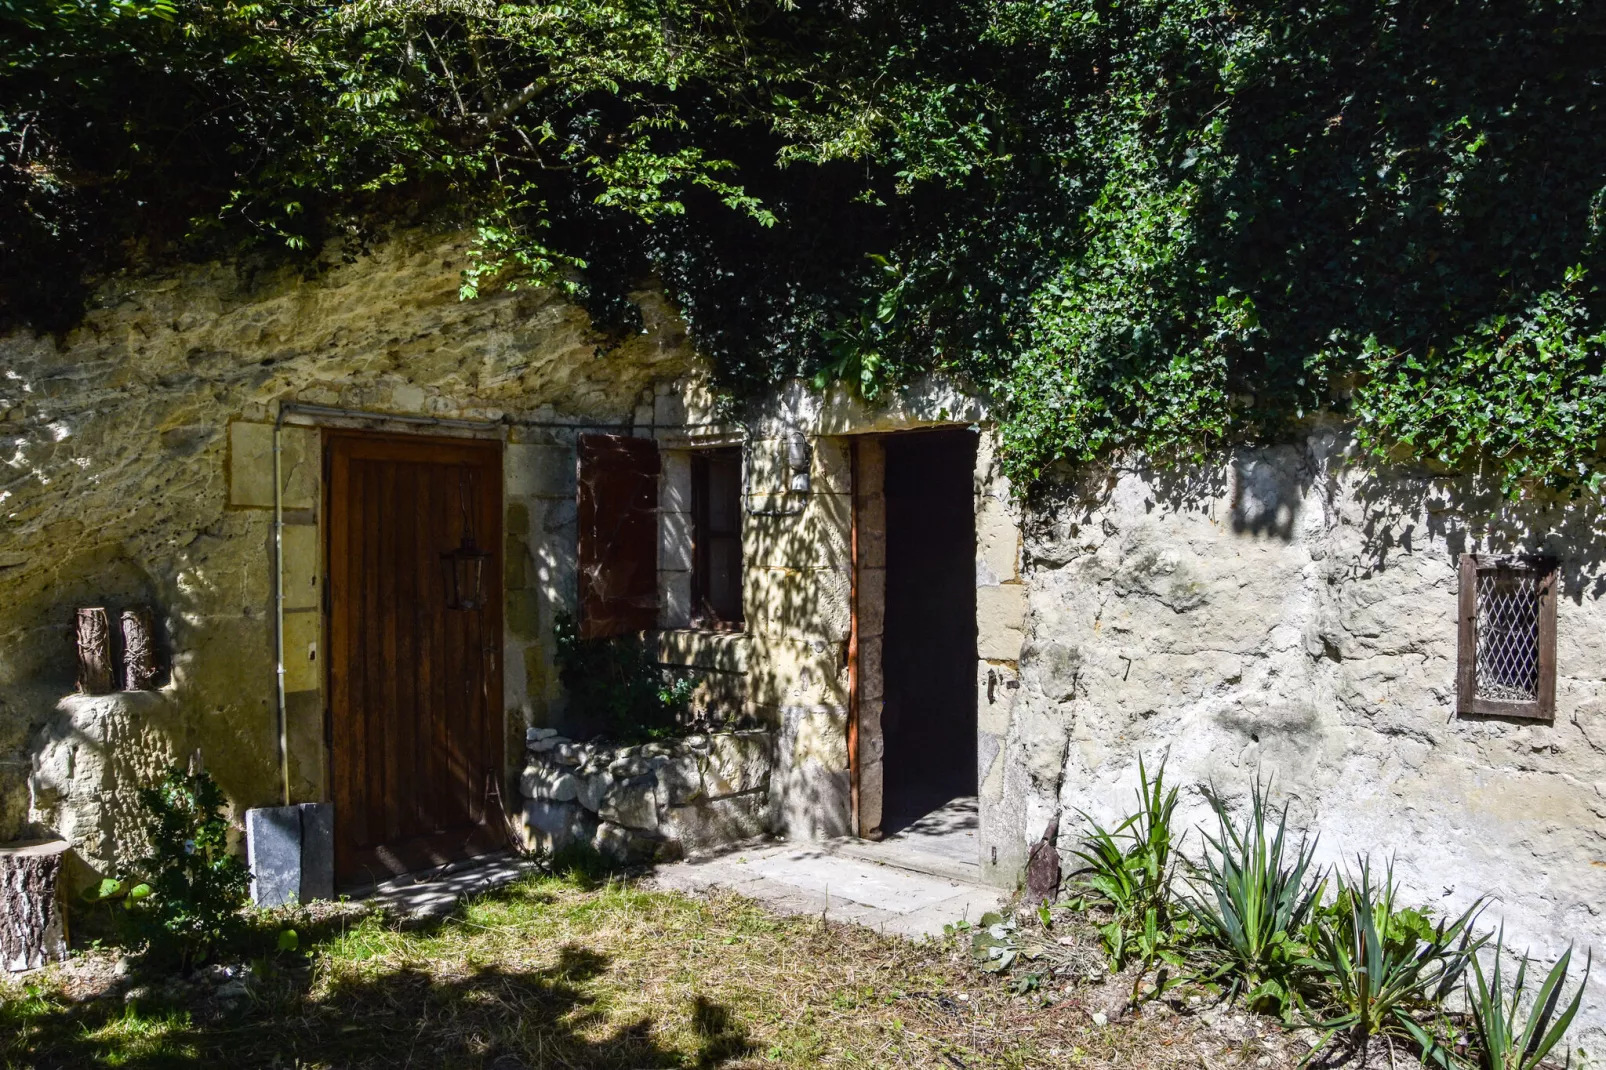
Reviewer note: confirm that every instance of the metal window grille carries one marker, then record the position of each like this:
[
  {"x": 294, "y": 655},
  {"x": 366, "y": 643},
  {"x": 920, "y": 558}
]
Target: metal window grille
[
  {"x": 1507, "y": 655},
  {"x": 1508, "y": 635}
]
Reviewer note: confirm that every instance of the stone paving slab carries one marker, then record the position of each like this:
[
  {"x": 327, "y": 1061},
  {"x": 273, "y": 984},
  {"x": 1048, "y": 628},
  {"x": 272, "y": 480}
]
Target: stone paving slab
[{"x": 811, "y": 879}]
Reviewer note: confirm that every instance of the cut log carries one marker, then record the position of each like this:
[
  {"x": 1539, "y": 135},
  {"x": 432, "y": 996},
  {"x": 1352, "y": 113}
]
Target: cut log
[
  {"x": 92, "y": 637},
  {"x": 33, "y": 921}
]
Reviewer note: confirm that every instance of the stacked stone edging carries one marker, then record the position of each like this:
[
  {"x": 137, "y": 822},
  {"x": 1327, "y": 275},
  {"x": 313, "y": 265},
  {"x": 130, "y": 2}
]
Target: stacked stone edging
[{"x": 650, "y": 801}]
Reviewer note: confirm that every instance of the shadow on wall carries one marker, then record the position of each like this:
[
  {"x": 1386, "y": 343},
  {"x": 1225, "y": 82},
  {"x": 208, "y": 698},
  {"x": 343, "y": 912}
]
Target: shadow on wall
[{"x": 1406, "y": 506}]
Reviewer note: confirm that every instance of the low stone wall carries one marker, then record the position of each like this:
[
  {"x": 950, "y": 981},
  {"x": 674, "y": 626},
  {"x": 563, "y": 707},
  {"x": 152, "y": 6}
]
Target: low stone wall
[{"x": 649, "y": 802}]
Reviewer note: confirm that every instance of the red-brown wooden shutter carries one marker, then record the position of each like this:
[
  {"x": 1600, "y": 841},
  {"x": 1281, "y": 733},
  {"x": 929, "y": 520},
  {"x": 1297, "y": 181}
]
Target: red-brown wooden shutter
[{"x": 618, "y": 513}]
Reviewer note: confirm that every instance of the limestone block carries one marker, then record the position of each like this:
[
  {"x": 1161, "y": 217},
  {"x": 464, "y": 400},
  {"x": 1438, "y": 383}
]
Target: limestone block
[
  {"x": 539, "y": 471},
  {"x": 998, "y": 542},
  {"x": 997, "y": 684},
  {"x": 712, "y": 823},
  {"x": 1000, "y": 621},
  {"x": 820, "y": 736},
  {"x": 681, "y": 779},
  {"x": 545, "y": 780},
  {"x": 801, "y": 603},
  {"x": 524, "y": 614},
  {"x": 793, "y": 673},
  {"x": 251, "y": 466},
  {"x": 674, "y": 541},
  {"x": 737, "y": 762},
  {"x": 719, "y": 651},
  {"x": 632, "y": 802},
  {"x": 833, "y": 465},
  {"x": 871, "y": 793},
  {"x": 552, "y": 826},
  {"x": 302, "y": 567},
  {"x": 820, "y": 536},
  {"x": 592, "y": 789},
  {"x": 628, "y": 846},
  {"x": 674, "y": 481},
  {"x": 303, "y": 669}
]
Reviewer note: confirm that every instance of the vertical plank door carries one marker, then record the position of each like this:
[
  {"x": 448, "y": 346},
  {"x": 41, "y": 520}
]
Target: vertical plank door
[{"x": 415, "y": 687}]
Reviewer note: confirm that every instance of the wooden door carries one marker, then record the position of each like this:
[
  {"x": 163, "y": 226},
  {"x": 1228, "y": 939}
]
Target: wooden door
[{"x": 416, "y": 687}]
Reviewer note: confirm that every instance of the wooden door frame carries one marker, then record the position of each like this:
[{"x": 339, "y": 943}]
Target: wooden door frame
[{"x": 450, "y": 447}]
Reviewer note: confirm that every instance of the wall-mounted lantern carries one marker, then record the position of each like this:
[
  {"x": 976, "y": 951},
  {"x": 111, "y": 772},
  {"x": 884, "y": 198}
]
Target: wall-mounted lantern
[{"x": 463, "y": 568}]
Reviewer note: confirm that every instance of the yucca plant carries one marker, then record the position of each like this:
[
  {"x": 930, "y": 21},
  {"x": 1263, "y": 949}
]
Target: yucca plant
[
  {"x": 1382, "y": 969},
  {"x": 1131, "y": 870},
  {"x": 1252, "y": 898},
  {"x": 1499, "y": 1040}
]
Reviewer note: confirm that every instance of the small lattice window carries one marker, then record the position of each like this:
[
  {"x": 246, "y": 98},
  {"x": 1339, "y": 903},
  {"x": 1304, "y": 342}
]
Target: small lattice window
[{"x": 1507, "y": 655}]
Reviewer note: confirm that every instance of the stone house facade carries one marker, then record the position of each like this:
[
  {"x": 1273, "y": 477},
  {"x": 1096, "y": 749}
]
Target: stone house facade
[{"x": 1283, "y": 611}]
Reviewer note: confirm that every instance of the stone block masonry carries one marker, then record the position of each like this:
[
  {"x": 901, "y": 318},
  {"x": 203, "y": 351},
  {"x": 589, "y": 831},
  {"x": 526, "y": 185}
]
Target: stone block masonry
[
  {"x": 1291, "y": 613},
  {"x": 647, "y": 802},
  {"x": 140, "y": 453}
]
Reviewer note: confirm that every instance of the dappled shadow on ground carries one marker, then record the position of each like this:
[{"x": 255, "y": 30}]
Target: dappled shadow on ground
[{"x": 542, "y": 1011}]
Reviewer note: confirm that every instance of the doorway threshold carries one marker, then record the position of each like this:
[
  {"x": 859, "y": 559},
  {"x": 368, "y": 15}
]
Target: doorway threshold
[{"x": 941, "y": 843}]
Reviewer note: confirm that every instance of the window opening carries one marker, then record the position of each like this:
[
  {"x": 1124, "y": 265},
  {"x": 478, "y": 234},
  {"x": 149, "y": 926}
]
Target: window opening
[
  {"x": 1507, "y": 656},
  {"x": 716, "y": 580}
]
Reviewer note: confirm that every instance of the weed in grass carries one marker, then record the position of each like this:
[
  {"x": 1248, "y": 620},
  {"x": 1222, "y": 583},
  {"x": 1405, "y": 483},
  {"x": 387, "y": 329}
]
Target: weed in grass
[{"x": 1254, "y": 895}]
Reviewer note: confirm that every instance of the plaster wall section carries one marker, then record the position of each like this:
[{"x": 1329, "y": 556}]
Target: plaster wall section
[
  {"x": 138, "y": 470},
  {"x": 1289, "y": 614}
]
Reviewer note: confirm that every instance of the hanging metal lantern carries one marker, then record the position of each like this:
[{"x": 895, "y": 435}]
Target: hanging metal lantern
[{"x": 463, "y": 568}]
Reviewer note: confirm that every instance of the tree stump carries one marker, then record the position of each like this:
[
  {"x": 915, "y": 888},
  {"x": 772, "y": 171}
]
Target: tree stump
[{"x": 33, "y": 921}]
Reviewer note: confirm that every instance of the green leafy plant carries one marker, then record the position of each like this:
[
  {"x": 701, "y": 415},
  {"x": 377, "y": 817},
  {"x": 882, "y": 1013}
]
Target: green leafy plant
[
  {"x": 184, "y": 898},
  {"x": 615, "y": 685},
  {"x": 1131, "y": 871},
  {"x": 1255, "y": 893},
  {"x": 996, "y": 943},
  {"x": 1384, "y": 968},
  {"x": 1502, "y": 1038}
]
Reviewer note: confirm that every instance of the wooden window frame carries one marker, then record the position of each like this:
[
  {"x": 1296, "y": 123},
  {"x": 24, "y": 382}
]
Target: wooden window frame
[
  {"x": 1543, "y": 707},
  {"x": 702, "y": 615}
]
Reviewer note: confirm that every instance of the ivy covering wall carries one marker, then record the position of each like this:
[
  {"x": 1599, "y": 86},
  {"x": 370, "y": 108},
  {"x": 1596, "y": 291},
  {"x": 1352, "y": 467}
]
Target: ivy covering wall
[{"x": 1155, "y": 224}]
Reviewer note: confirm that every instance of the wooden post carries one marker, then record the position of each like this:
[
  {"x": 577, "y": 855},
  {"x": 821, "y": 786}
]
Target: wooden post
[
  {"x": 33, "y": 923},
  {"x": 92, "y": 635},
  {"x": 139, "y": 649}
]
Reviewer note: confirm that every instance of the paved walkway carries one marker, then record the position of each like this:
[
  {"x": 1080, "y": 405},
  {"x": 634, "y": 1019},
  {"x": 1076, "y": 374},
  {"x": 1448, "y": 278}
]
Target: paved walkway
[{"x": 911, "y": 884}]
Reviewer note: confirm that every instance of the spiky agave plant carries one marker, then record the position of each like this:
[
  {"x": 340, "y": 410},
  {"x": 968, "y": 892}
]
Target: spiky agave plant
[
  {"x": 1382, "y": 968},
  {"x": 1252, "y": 897},
  {"x": 1131, "y": 870},
  {"x": 1500, "y": 1041}
]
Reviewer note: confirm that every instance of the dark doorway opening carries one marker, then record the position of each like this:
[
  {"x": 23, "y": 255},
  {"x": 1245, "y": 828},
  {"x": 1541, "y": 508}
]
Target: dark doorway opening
[{"x": 928, "y": 665}]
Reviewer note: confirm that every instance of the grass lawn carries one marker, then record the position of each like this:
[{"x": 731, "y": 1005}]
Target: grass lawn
[{"x": 570, "y": 972}]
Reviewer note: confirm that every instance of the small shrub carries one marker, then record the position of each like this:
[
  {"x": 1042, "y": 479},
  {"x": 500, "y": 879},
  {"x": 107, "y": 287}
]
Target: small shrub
[
  {"x": 182, "y": 902},
  {"x": 1255, "y": 894},
  {"x": 615, "y": 683},
  {"x": 1131, "y": 870},
  {"x": 1499, "y": 1040},
  {"x": 1383, "y": 968}
]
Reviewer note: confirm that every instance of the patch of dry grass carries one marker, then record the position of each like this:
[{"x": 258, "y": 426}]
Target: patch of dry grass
[{"x": 559, "y": 972}]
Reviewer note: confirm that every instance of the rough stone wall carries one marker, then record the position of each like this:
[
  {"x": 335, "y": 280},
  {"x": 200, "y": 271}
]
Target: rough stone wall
[
  {"x": 1287, "y": 613},
  {"x": 116, "y": 489}
]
